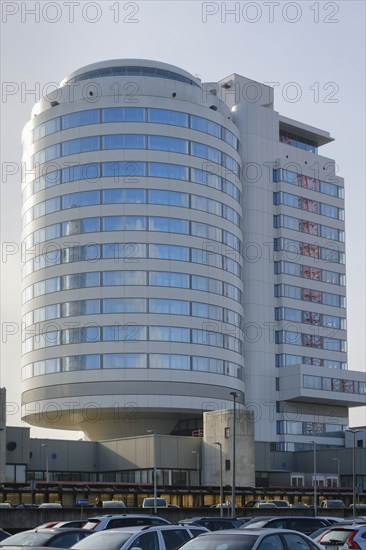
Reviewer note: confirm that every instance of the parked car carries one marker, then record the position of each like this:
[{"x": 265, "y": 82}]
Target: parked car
[
  {"x": 281, "y": 503},
  {"x": 113, "y": 521},
  {"x": 358, "y": 506},
  {"x": 160, "y": 503},
  {"x": 264, "y": 505},
  {"x": 349, "y": 535},
  {"x": 160, "y": 537},
  {"x": 299, "y": 505},
  {"x": 252, "y": 503},
  {"x": 213, "y": 523},
  {"x": 335, "y": 504},
  {"x": 303, "y": 524},
  {"x": 113, "y": 504},
  {"x": 256, "y": 539},
  {"x": 55, "y": 538}
]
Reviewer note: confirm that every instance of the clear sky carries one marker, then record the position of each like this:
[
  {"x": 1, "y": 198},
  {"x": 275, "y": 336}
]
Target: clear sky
[{"x": 313, "y": 51}]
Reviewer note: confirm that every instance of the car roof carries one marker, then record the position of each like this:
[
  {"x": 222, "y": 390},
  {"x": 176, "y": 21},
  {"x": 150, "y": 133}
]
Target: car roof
[
  {"x": 137, "y": 528},
  {"x": 196, "y": 518},
  {"x": 123, "y": 516},
  {"x": 291, "y": 517},
  {"x": 250, "y": 532}
]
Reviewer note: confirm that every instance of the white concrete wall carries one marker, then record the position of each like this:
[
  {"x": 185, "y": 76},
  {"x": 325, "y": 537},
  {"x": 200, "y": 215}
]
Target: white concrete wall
[{"x": 215, "y": 424}]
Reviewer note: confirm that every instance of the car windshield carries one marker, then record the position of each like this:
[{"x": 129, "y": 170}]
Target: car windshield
[
  {"x": 254, "y": 524},
  {"x": 336, "y": 535},
  {"x": 28, "y": 538},
  {"x": 104, "y": 541},
  {"x": 91, "y": 524},
  {"x": 221, "y": 542}
]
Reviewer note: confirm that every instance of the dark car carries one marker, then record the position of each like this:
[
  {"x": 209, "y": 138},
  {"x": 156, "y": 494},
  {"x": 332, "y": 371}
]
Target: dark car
[
  {"x": 303, "y": 524},
  {"x": 54, "y": 538},
  {"x": 113, "y": 521},
  {"x": 213, "y": 523}
]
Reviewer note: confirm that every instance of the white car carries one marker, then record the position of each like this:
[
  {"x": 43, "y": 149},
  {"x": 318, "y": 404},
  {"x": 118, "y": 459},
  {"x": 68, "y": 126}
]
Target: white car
[
  {"x": 163, "y": 537},
  {"x": 251, "y": 539}
]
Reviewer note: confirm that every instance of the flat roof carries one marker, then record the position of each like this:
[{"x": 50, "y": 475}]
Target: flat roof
[{"x": 305, "y": 130}]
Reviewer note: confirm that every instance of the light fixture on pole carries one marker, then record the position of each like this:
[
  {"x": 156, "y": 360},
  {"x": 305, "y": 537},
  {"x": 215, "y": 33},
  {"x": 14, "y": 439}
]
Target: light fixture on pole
[
  {"x": 45, "y": 445},
  {"x": 315, "y": 495},
  {"x": 234, "y": 395},
  {"x": 354, "y": 432},
  {"x": 221, "y": 486},
  {"x": 155, "y": 470},
  {"x": 197, "y": 465},
  {"x": 338, "y": 474}
]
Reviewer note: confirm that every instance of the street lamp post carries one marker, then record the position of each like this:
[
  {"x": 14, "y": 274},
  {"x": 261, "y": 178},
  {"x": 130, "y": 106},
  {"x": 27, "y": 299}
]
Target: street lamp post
[
  {"x": 354, "y": 432},
  {"x": 338, "y": 474},
  {"x": 221, "y": 486},
  {"x": 315, "y": 495},
  {"x": 155, "y": 471},
  {"x": 45, "y": 445},
  {"x": 234, "y": 395}
]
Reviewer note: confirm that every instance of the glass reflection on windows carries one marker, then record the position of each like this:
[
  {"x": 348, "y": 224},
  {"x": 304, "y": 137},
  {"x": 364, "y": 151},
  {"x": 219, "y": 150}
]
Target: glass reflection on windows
[
  {"x": 80, "y": 145},
  {"x": 80, "y": 118},
  {"x": 84, "y": 198},
  {"x": 80, "y": 362},
  {"x": 123, "y": 114},
  {"x": 128, "y": 332},
  {"x": 169, "y": 198},
  {"x": 170, "y": 225},
  {"x": 166, "y": 278},
  {"x": 167, "y": 143},
  {"x": 167, "y": 361},
  {"x": 169, "y": 334},
  {"x": 124, "y": 361},
  {"x": 123, "y": 169},
  {"x": 165, "y": 116},
  {"x": 169, "y": 252},
  {"x": 172, "y": 171},
  {"x": 173, "y": 307},
  {"x": 124, "y": 305},
  {"x": 121, "y": 278},
  {"x": 124, "y": 196},
  {"x": 124, "y": 223},
  {"x": 124, "y": 141}
]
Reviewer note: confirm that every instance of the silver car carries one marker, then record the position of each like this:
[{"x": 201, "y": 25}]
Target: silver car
[
  {"x": 162, "y": 537},
  {"x": 253, "y": 539},
  {"x": 344, "y": 536}
]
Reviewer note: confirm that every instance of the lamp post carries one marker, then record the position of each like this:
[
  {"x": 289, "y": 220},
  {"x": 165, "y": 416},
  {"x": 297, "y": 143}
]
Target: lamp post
[
  {"x": 314, "y": 458},
  {"x": 221, "y": 487},
  {"x": 234, "y": 395},
  {"x": 45, "y": 445},
  {"x": 155, "y": 471},
  {"x": 354, "y": 432},
  {"x": 197, "y": 465},
  {"x": 338, "y": 475}
]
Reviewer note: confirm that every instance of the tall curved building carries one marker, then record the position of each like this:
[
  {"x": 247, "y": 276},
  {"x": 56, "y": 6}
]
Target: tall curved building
[
  {"x": 176, "y": 232},
  {"x": 133, "y": 296}
]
